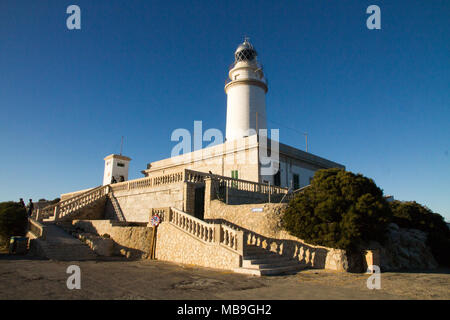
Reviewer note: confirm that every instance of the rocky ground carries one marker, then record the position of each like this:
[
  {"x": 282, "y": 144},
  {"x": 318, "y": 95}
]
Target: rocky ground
[{"x": 117, "y": 278}]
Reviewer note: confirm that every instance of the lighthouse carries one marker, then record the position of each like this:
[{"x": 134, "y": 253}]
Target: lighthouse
[{"x": 246, "y": 90}]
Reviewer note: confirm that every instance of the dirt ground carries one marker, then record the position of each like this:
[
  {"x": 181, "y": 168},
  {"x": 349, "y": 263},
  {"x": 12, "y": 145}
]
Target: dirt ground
[{"x": 116, "y": 278}]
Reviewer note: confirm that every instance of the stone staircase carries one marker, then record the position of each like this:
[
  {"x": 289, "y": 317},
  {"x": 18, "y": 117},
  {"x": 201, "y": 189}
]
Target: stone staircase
[
  {"x": 258, "y": 261},
  {"x": 118, "y": 214},
  {"x": 59, "y": 245}
]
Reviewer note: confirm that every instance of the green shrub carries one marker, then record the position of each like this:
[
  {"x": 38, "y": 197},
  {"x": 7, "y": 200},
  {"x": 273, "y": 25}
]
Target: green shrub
[
  {"x": 414, "y": 215},
  {"x": 13, "y": 220},
  {"x": 340, "y": 210}
]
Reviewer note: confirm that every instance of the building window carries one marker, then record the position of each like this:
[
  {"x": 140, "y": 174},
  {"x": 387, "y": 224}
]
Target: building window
[
  {"x": 120, "y": 164},
  {"x": 234, "y": 175},
  {"x": 296, "y": 181}
]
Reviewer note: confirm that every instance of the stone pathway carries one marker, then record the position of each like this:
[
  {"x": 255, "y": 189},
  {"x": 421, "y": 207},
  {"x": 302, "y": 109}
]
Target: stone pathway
[{"x": 118, "y": 278}]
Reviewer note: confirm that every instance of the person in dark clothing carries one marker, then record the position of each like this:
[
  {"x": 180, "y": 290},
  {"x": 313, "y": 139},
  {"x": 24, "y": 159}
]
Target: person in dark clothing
[
  {"x": 21, "y": 202},
  {"x": 30, "y": 208},
  {"x": 122, "y": 179},
  {"x": 113, "y": 180}
]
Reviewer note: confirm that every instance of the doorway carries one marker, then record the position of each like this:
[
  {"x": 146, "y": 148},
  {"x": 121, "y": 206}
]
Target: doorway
[{"x": 199, "y": 204}]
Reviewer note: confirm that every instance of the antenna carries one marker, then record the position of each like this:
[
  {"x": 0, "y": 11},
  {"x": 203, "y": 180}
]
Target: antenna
[
  {"x": 121, "y": 145},
  {"x": 306, "y": 139}
]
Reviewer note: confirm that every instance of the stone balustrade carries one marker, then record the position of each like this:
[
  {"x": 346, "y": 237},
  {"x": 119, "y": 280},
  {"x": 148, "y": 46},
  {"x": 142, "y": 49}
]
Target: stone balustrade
[
  {"x": 163, "y": 213},
  {"x": 149, "y": 182},
  {"x": 198, "y": 228},
  {"x": 207, "y": 232},
  {"x": 66, "y": 207},
  {"x": 195, "y": 176},
  {"x": 231, "y": 238},
  {"x": 63, "y": 208}
]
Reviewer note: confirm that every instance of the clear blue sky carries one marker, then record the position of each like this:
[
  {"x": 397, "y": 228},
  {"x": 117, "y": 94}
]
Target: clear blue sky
[{"x": 377, "y": 101}]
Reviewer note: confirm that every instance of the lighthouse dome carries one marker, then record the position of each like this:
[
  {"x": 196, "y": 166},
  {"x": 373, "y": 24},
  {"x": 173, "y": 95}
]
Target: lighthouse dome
[{"x": 245, "y": 52}]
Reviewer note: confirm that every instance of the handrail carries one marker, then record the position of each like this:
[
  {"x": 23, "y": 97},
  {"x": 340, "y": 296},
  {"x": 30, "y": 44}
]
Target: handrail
[
  {"x": 245, "y": 185},
  {"x": 291, "y": 195},
  {"x": 37, "y": 229}
]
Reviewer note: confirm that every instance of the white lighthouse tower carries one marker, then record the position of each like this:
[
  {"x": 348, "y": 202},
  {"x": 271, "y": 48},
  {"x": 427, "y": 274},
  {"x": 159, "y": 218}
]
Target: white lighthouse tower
[{"x": 246, "y": 94}]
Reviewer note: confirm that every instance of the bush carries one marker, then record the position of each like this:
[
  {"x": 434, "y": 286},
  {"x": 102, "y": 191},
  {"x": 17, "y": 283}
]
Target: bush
[
  {"x": 416, "y": 216},
  {"x": 13, "y": 220},
  {"x": 340, "y": 210}
]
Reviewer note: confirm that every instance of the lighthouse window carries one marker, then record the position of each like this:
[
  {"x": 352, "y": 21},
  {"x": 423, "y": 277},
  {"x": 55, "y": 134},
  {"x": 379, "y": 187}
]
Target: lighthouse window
[{"x": 120, "y": 164}]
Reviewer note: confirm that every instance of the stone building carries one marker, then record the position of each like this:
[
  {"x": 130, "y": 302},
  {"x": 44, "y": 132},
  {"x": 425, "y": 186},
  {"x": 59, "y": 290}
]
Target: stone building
[{"x": 247, "y": 152}]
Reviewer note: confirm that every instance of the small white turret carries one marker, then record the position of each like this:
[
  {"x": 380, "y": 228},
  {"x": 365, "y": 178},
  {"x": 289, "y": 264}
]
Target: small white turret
[
  {"x": 116, "y": 169},
  {"x": 246, "y": 94}
]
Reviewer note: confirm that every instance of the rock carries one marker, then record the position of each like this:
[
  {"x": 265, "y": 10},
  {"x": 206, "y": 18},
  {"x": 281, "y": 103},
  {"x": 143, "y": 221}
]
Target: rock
[
  {"x": 406, "y": 249},
  {"x": 336, "y": 260},
  {"x": 102, "y": 246}
]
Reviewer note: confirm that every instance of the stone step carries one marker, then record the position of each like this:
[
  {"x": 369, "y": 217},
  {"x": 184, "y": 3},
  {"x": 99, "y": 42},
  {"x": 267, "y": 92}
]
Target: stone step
[
  {"x": 255, "y": 256},
  {"x": 270, "y": 271},
  {"x": 267, "y": 263}
]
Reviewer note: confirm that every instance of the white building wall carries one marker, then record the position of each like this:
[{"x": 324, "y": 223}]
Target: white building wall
[
  {"x": 115, "y": 167},
  {"x": 287, "y": 171}
]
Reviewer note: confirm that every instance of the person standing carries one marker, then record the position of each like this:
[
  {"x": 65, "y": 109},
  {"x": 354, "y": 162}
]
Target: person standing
[
  {"x": 30, "y": 208},
  {"x": 22, "y": 204}
]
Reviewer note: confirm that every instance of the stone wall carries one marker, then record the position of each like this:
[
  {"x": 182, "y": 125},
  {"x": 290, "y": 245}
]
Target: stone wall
[
  {"x": 136, "y": 204},
  {"x": 264, "y": 219},
  {"x": 133, "y": 241},
  {"x": 235, "y": 196},
  {"x": 176, "y": 245}
]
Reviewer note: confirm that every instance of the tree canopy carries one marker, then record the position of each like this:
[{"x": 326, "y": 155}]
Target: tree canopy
[
  {"x": 13, "y": 220},
  {"x": 340, "y": 209}
]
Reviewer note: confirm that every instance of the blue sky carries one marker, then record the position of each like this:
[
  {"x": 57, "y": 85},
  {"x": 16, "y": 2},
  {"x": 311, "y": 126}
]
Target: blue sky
[{"x": 377, "y": 101}]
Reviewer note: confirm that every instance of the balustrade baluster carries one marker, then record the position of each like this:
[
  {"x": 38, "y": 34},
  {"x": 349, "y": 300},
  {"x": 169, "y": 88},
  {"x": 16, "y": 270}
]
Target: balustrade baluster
[{"x": 225, "y": 237}]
